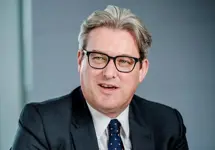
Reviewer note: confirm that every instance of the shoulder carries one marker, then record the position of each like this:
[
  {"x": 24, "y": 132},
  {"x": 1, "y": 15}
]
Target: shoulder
[
  {"x": 59, "y": 106},
  {"x": 160, "y": 117},
  {"x": 56, "y": 111},
  {"x": 52, "y": 111},
  {"x": 152, "y": 108},
  {"x": 51, "y": 106}
]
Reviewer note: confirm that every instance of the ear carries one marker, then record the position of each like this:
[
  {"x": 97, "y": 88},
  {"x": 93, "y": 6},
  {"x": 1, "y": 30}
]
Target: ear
[
  {"x": 79, "y": 56},
  {"x": 143, "y": 70}
]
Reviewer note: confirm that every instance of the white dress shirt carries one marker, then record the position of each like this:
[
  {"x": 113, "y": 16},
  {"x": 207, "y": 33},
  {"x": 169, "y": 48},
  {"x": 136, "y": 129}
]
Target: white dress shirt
[{"x": 101, "y": 122}]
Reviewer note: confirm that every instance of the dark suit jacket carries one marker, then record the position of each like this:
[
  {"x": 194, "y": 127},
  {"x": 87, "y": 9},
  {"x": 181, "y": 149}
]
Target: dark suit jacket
[{"x": 65, "y": 123}]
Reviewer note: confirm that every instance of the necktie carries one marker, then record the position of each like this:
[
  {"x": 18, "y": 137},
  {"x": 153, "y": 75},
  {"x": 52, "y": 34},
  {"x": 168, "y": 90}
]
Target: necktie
[{"x": 115, "y": 141}]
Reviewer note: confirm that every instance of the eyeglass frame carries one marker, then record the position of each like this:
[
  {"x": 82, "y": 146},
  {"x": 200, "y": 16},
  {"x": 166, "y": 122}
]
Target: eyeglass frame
[{"x": 109, "y": 58}]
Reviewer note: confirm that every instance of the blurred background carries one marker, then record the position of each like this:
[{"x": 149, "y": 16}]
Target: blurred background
[{"x": 38, "y": 46}]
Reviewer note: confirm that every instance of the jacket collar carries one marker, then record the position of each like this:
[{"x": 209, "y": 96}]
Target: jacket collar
[
  {"x": 141, "y": 135},
  {"x": 82, "y": 128}
]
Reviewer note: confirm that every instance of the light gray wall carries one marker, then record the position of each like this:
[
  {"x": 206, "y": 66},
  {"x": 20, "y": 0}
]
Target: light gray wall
[
  {"x": 10, "y": 71},
  {"x": 181, "y": 58},
  {"x": 15, "y": 58}
]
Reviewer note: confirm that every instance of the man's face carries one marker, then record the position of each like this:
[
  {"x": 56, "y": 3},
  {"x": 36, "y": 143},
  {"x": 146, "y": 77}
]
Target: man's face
[{"x": 97, "y": 84}]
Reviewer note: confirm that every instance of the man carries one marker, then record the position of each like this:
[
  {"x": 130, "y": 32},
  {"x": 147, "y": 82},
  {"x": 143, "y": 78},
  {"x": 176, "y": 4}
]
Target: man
[{"x": 103, "y": 113}]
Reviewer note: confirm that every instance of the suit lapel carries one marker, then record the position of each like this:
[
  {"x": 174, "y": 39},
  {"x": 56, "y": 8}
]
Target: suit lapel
[
  {"x": 140, "y": 134},
  {"x": 82, "y": 128}
]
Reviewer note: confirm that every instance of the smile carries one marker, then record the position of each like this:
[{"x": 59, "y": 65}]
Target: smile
[{"x": 108, "y": 86}]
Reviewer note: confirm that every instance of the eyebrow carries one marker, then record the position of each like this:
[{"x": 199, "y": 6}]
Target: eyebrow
[{"x": 94, "y": 50}]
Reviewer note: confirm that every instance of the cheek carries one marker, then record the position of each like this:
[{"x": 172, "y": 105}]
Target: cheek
[
  {"x": 89, "y": 75},
  {"x": 129, "y": 82},
  {"x": 84, "y": 72},
  {"x": 130, "y": 79}
]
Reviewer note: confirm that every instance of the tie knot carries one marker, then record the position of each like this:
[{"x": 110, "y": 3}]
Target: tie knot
[{"x": 114, "y": 126}]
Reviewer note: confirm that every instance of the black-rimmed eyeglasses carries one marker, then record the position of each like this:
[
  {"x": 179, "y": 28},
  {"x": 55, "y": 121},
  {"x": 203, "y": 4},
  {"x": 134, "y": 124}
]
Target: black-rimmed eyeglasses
[{"x": 98, "y": 60}]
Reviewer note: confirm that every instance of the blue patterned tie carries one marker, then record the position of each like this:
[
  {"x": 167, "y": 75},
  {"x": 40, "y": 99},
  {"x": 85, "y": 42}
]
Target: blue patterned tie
[{"x": 115, "y": 142}]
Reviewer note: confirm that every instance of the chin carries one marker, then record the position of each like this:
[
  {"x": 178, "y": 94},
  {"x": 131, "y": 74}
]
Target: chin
[{"x": 109, "y": 106}]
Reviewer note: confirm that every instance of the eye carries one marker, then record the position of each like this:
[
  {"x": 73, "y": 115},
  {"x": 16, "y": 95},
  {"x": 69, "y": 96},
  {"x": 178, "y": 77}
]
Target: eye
[
  {"x": 124, "y": 61},
  {"x": 98, "y": 58}
]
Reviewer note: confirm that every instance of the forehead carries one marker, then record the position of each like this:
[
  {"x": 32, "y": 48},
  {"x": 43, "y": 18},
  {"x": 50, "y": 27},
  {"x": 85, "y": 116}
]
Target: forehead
[{"x": 112, "y": 42}]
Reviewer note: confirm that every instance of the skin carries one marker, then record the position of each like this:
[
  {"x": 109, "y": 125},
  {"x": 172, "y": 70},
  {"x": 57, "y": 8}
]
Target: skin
[{"x": 113, "y": 42}]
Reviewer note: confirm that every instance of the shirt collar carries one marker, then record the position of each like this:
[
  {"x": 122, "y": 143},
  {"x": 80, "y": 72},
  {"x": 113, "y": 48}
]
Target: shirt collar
[
  {"x": 101, "y": 121},
  {"x": 123, "y": 119}
]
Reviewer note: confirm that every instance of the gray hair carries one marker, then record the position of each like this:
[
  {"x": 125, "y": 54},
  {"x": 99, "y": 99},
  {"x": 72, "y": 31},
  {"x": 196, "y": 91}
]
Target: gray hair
[{"x": 117, "y": 18}]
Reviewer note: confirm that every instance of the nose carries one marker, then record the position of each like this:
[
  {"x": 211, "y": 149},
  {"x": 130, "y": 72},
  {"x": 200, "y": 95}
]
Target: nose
[{"x": 110, "y": 70}]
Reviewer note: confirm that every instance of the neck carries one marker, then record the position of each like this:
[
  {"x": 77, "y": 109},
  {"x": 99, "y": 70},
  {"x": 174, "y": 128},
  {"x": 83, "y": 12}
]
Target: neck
[{"x": 113, "y": 113}]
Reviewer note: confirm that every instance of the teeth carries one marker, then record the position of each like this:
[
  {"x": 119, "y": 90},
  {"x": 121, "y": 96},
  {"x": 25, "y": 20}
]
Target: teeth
[{"x": 108, "y": 86}]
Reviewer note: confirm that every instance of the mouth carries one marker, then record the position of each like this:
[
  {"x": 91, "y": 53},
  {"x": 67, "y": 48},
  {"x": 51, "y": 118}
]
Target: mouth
[{"x": 108, "y": 86}]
